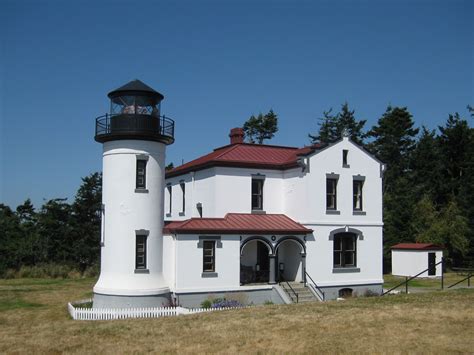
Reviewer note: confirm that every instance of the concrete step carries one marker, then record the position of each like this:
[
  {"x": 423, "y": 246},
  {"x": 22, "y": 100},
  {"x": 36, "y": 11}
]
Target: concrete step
[{"x": 304, "y": 293}]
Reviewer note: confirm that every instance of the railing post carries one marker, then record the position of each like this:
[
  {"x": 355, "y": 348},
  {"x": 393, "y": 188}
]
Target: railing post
[
  {"x": 303, "y": 267},
  {"x": 406, "y": 284},
  {"x": 272, "y": 263},
  {"x": 469, "y": 280},
  {"x": 442, "y": 273}
]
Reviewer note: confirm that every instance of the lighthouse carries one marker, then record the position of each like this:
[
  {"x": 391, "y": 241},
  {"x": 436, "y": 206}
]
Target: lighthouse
[{"x": 134, "y": 136}]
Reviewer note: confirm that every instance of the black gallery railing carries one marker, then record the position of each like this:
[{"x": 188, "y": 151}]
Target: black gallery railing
[{"x": 134, "y": 124}]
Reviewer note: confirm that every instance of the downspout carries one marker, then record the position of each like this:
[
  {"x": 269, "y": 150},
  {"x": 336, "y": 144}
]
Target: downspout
[
  {"x": 175, "y": 237},
  {"x": 192, "y": 193}
]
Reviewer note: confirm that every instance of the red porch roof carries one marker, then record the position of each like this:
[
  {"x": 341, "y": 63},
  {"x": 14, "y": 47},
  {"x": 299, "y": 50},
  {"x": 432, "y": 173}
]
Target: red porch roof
[
  {"x": 417, "y": 246},
  {"x": 247, "y": 156},
  {"x": 238, "y": 223}
]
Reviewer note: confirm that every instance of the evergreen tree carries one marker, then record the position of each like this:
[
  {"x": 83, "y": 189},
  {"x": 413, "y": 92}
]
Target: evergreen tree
[
  {"x": 10, "y": 236},
  {"x": 394, "y": 141},
  {"x": 332, "y": 126},
  {"x": 448, "y": 228},
  {"x": 471, "y": 110},
  {"x": 29, "y": 239},
  {"x": 455, "y": 143},
  {"x": 397, "y": 213},
  {"x": 328, "y": 131},
  {"x": 426, "y": 164},
  {"x": 455, "y": 230},
  {"x": 262, "y": 127},
  {"x": 57, "y": 239},
  {"x": 424, "y": 224},
  {"x": 86, "y": 221}
]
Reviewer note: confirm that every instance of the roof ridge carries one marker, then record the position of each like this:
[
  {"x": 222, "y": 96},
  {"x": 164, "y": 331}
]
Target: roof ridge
[{"x": 258, "y": 145}]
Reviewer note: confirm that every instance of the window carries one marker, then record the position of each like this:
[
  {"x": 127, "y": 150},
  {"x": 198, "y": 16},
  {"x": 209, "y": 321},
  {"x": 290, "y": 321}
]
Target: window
[
  {"x": 183, "y": 194},
  {"x": 345, "y": 250},
  {"x": 331, "y": 194},
  {"x": 141, "y": 174},
  {"x": 257, "y": 194},
  {"x": 170, "y": 198},
  {"x": 357, "y": 194},
  {"x": 345, "y": 152},
  {"x": 209, "y": 258},
  {"x": 345, "y": 292},
  {"x": 140, "y": 252}
]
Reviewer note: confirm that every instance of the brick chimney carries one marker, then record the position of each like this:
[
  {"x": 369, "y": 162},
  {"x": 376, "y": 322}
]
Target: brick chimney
[{"x": 236, "y": 135}]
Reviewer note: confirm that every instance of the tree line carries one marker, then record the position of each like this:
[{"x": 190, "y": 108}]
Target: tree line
[{"x": 58, "y": 233}]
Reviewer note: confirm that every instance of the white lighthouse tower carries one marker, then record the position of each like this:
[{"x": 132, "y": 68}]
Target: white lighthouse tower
[{"x": 134, "y": 137}]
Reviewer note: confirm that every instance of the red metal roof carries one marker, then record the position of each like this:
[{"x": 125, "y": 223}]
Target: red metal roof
[
  {"x": 417, "y": 246},
  {"x": 238, "y": 223},
  {"x": 248, "y": 156}
]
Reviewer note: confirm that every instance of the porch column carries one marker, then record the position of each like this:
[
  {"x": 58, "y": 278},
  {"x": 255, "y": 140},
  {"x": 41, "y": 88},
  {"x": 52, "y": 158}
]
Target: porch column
[
  {"x": 303, "y": 267},
  {"x": 271, "y": 276}
]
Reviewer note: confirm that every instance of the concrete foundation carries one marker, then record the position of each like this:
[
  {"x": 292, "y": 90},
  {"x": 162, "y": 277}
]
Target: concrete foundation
[
  {"x": 247, "y": 297},
  {"x": 113, "y": 301},
  {"x": 331, "y": 293}
]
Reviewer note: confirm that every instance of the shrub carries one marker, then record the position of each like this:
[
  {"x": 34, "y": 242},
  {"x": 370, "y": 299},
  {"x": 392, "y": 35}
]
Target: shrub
[
  {"x": 268, "y": 303},
  {"x": 49, "y": 271},
  {"x": 91, "y": 271},
  {"x": 9, "y": 274},
  {"x": 223, "y": 303},
  {"x": 206, "y": 304},
  {"x": 240, "y": 297},
  {"x": 370, "y": 293}
]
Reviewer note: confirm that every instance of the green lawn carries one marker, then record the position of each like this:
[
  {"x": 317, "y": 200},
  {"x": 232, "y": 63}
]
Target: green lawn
[{"x": 34, "y": 318}]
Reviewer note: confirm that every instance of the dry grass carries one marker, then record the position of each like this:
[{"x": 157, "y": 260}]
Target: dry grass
[{"x": 33, "y": 318}]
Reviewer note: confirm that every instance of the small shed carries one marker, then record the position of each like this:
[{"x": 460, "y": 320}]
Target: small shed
[{"x": 409, "y": 259}]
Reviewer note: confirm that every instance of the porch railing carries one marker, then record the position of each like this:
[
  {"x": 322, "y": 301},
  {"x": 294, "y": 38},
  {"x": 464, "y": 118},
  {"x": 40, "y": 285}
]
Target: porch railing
[
  {"x": 314, "y": 286},
  {"x": 293, "y": 291}
]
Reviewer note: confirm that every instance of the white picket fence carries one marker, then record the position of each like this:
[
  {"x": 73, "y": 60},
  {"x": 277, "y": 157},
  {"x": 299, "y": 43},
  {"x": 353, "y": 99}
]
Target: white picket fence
[{"x": 78, "y": 313}]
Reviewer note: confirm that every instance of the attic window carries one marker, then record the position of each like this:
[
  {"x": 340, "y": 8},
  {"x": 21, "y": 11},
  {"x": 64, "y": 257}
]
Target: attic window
[{"x": 345, "y": 153}]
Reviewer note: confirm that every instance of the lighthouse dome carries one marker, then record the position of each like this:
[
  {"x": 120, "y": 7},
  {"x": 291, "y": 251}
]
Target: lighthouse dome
[{"x": 135, "y": 113}]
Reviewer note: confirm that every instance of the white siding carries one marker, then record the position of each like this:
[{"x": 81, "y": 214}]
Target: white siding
[
  {"x": 127, "y": 211},
  {"x": 189, "y": 268},
  {"x": 412, "y": 262},
  {"x": 320, "y": 263}
]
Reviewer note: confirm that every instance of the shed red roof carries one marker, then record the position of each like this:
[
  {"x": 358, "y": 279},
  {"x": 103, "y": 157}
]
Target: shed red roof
[
  {"x": 248, "y": 156},
  {"x": 238, "y": 223},
  {"x": 417, "y": 246}
]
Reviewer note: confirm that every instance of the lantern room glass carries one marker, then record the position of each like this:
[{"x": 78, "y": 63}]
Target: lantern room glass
[{"x": 135, "y": 105}]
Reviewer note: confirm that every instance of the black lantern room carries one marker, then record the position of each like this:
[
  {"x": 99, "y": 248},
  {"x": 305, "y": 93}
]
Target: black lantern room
[{"x": 135, "y": 113}]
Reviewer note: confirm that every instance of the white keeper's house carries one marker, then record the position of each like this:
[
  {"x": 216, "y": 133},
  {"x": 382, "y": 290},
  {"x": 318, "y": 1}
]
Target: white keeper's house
[{"x": 255, "y": 222}]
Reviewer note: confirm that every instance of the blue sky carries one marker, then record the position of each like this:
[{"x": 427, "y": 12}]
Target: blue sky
[{"x": 216, "y": 62}]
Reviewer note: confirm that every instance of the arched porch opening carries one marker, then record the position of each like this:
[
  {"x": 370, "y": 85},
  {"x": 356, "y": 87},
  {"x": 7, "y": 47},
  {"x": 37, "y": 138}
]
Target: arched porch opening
[
  {"x": 291, "y": 260},
  {"x": 255, "y": 263}
]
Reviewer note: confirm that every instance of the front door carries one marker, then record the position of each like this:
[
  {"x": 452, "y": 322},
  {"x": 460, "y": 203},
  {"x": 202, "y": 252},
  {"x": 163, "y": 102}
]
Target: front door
[
  {"x": 263, "y": 263},
  {"x": 431, "y": 264}
]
